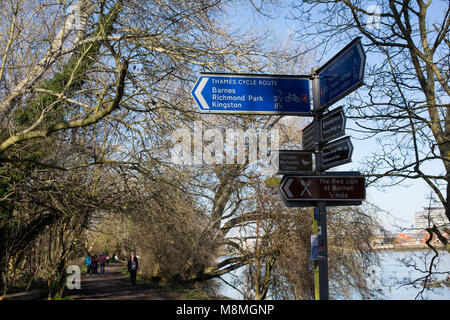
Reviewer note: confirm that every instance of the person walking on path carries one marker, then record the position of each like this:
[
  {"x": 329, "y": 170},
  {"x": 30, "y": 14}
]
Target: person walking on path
[
  {"x": 132, "y": 268},
  {"x": 88, "y": 265},
  {"x": 102, "y": 261},
  {"x": 95, "y": 264}
]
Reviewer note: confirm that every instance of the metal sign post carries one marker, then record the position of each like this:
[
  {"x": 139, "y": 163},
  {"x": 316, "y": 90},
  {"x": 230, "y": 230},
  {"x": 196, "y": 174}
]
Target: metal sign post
[
  {"x": 315, "y": 261},
  {"x": 323, "y": 251},
  {"x": 321, "y": 205},
  {"x": 290, "y": 95}
]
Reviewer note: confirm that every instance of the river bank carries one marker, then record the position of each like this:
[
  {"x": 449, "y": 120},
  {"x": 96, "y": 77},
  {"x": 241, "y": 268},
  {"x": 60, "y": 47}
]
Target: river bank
[
  {"x": 408, "y": 247},
  {"x": 393, "y": 274}
]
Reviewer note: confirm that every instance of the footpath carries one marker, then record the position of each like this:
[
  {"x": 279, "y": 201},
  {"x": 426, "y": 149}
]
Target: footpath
[{"x": 115, "y": 285}]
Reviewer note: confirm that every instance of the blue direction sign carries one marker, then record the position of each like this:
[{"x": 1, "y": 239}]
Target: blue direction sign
[
  {"x": 342, "y": 74},
  {"x": 252, "y": 94}
]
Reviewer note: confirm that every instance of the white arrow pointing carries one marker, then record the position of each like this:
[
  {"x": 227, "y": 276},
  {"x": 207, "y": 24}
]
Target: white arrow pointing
[
  {"x": 198, "y": 93},
  {"x": 350, "y": 149},
  {"x": 286, "y": 188}
]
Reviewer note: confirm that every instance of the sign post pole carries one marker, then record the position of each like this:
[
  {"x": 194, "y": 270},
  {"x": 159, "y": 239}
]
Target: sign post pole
[
  {"x": 321, "y": 205},
  {"x": 323, "y": 251},
  {"x": 316, "y": 262}
]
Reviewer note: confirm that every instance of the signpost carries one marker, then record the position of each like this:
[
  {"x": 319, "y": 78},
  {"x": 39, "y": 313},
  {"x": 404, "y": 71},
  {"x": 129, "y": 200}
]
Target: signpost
[
  {"x": 252, "y": 94},
  {"x": 294, "y": 161},
  {"x": 337, "y": 153},
  {"x": 289, "y": 95},
  {"x": 341, "y": 75}
]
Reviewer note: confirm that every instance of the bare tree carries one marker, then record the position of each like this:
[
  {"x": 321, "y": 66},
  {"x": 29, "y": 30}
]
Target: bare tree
[
  {"x": 407, "y": 87},
  {"x": 405, "y": 104},
  {"x": 87, "y": 80}
]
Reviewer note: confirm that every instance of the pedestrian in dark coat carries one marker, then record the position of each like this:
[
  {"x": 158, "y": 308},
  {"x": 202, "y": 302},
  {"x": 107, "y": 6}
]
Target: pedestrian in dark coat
[
  {"x": 102, "y": 261},
  {"x": 95, "y": 264},
  {"x": 132, "y": 268}
]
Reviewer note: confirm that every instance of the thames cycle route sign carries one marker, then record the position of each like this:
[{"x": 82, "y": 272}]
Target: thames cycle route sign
[{"x": 252, "y": 94}]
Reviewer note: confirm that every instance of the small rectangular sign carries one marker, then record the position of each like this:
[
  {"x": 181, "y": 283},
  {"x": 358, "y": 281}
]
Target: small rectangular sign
[
  {"x": 332, "y": 125},
  {"x": 294, "y": 161},
  {"x": 337, "y": 153},
  {"x": 308, "y": 137}
]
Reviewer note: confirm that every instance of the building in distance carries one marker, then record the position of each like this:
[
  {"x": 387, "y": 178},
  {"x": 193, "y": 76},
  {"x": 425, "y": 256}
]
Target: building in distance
[{"x": 426, "y": 218}]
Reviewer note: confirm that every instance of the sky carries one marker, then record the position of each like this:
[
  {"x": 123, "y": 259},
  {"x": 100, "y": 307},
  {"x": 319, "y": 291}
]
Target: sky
[{"x": 397, "y": 204}]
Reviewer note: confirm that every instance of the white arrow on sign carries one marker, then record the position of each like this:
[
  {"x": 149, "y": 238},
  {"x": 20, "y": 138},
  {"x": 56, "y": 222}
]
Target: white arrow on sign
[
  {"x": 198, "y": 93},
  {"x": 286, "y": 188}
]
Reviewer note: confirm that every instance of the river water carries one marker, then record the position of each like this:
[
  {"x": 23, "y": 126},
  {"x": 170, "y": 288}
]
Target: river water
[{"x": 390, "y": 276}]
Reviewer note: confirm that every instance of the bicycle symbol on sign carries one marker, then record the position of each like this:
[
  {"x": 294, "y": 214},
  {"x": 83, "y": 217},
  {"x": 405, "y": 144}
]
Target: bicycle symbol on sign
[{"x": 292, "y": 97}]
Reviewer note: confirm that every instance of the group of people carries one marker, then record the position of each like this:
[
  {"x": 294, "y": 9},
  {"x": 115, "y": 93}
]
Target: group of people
[{"x": 92, "y": 263}]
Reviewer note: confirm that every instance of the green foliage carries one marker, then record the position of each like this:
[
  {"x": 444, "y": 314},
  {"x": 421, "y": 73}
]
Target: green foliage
[{"x": 69, "y": 79}]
